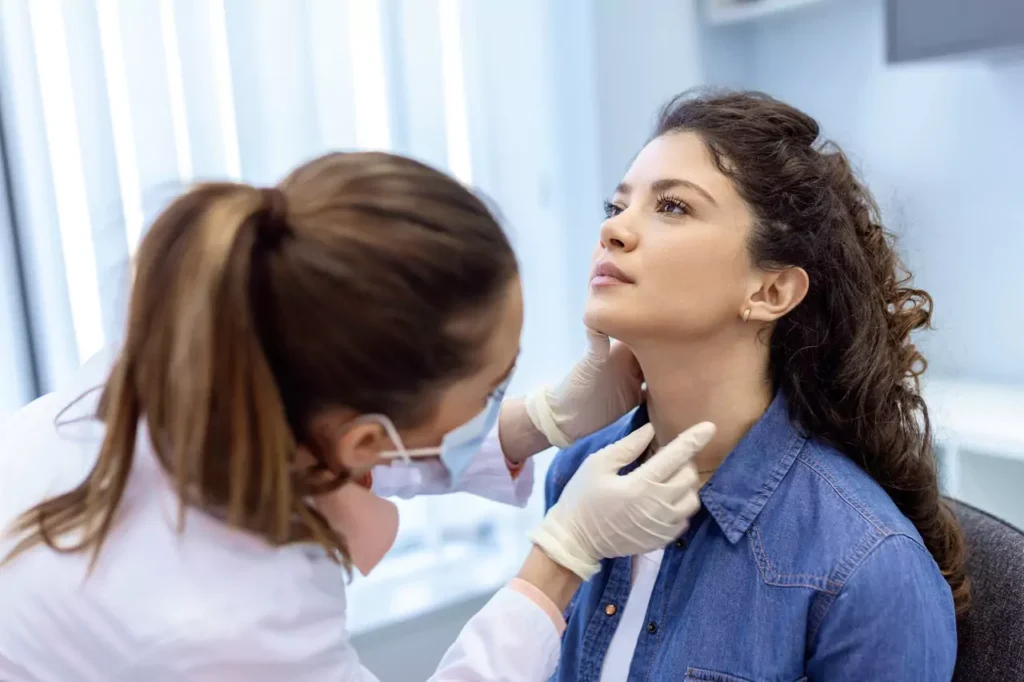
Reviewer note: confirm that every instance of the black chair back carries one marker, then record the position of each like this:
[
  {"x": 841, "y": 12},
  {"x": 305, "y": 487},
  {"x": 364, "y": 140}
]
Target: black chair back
[{"x": 991, "y": 635}]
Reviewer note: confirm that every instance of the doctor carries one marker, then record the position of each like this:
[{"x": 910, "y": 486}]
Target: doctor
[{"x": 289, "y": 354}]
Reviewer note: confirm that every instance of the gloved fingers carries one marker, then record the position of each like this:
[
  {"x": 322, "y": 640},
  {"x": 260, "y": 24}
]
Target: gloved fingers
[
  {"x": 642, "y": 533},
  {"x": 660, "y": 532},
  {"x": 664, "y": 501},
  {"x": 625, "y": 451},
  {"x": 673, "y": 457},
  {"x": 623, "y": 380},
  {"x": 688, "y": 506},
  {"x": 684, "y": 481},
  {"x": 598, "y": 344},
  {"x": 657, "y": 530},
  {"x": 610, "y": 541},
  {"x": 655, "y": 503},
  {"x": 622, "y": 358}
]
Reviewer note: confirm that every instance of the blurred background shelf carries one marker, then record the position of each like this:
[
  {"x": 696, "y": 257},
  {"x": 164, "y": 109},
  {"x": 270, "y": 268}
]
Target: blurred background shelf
[
  {"x": 720, "y": 12},
  {"x": 979, "y": 416},
  {"x": 947, "y": 29},
  {"x": 979, "y": 441}
]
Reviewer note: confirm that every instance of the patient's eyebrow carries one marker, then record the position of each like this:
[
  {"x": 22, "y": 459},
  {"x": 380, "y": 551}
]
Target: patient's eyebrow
[{"x": 665, "y": 184}]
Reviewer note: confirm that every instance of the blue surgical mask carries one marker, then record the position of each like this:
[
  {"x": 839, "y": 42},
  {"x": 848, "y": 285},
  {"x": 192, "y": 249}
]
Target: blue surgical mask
[{"x": 459, "y": 446}]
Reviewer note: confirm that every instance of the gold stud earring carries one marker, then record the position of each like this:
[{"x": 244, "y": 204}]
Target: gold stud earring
[{"x": 746, "y": 315}]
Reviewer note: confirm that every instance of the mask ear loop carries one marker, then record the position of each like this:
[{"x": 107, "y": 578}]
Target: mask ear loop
[
  {"x": 499, "y": 393},
  {"x": 392, "y": 433}
]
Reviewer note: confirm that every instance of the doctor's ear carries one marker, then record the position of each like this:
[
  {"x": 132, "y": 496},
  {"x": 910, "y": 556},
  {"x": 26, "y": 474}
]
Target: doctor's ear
[
  {"x": 360, "y": 446},
  {"x": 777, "y": 293},
  {"x": 352, "y": 448}
]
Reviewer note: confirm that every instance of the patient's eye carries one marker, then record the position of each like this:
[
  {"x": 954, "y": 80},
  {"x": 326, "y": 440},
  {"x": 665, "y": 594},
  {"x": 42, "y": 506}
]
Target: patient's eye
[
  {"x": 667, "y": 204},
  {"x": 611, "y": 210}
]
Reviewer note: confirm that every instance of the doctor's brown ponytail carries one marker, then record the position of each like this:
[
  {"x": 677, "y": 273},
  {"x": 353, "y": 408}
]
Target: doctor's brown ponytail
[{"x": 254, "y": 310}]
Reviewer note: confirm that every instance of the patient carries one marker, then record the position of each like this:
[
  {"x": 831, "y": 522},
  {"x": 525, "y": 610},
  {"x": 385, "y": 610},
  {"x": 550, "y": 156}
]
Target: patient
[{"x": 746, "y": 267}]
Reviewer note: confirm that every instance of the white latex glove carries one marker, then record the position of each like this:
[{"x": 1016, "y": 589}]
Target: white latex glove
[
  {"x": 602, "y": 515},
  {"x": 604, "y": 385}
]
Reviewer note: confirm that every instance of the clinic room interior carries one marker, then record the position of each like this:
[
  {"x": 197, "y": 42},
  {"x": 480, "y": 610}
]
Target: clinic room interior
[{"x": 111, "y": 108}]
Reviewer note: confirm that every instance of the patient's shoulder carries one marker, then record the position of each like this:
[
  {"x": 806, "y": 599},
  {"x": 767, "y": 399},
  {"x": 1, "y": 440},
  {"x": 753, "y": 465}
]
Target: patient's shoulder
[{"x": 567, "y": 461}]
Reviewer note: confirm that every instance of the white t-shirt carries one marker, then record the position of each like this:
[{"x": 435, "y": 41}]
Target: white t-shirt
[
  {"x": 619, "y": 656},
  {"x": 215, "y": 603}
]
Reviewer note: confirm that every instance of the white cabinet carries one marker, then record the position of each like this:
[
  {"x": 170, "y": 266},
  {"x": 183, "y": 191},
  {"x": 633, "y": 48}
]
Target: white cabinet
[
  {"x": 734, "y": 11},
  {"x": 923, "y": 29},
  {"x": 979, "y": 440}
]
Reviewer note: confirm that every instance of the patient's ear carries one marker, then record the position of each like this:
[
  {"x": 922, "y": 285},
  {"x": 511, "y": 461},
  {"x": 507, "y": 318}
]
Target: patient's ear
[{"x": 777, "y": 292}]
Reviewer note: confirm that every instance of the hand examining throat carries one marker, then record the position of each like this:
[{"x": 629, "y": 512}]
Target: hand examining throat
[{"x": 602, "y": 386}]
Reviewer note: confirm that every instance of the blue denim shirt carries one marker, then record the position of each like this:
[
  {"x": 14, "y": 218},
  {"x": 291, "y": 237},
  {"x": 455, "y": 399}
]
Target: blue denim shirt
[{"x": 799, "y": 567}]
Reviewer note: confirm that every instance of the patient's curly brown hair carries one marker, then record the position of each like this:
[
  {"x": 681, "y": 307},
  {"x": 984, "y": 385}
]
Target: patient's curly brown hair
[{"x": 844, "y": 356}]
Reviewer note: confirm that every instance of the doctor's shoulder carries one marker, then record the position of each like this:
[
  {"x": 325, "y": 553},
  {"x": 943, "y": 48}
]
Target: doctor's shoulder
[
  {"x": 567, "y": 461},
  {"x": 53, "y": 440}
]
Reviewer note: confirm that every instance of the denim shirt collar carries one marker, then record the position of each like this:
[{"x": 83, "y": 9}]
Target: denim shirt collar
[
  {"x": 742, "y": 485},
  {"x": 745, "y": 481}
]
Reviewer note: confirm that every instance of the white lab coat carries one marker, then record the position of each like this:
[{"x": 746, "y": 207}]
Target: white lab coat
[{"x": 213, "y": 604}]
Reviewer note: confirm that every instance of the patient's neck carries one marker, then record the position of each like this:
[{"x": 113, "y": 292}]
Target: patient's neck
[{"x": 724, "y": 382}]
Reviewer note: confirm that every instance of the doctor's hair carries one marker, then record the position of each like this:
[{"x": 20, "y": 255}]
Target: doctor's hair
[
  {"x": 364, "y": 281},
  {"x": 844, "y": 357}
]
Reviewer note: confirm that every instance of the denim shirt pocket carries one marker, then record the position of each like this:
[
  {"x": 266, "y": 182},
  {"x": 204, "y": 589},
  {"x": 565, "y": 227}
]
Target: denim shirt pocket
[
  {"x": 773, "y": 574},
  {"x": 702, "y": 675}
]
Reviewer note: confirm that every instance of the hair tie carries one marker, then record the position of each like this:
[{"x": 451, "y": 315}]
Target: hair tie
[{"x": 273, "y": 224}]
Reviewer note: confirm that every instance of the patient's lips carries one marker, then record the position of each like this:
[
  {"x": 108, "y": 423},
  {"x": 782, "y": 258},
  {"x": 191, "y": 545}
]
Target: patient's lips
[{"x": 607, "y": 274}]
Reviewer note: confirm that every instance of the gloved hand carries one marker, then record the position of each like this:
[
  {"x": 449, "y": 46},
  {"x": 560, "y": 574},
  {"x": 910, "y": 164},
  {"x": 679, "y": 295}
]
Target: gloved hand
[
  {"x": 603, "y": 386},
  {"x": 602, "y": 515}
]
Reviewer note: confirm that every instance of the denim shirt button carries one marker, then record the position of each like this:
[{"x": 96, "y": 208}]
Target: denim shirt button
[
  {"x": 652, "y": 627},
  {"x": 680, "y": 543},
  {"x": 610, "y": 610}
]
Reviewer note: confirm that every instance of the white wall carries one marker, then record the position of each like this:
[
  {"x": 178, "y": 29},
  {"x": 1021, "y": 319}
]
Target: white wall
[
  {"x": 940, "y": 144},
  {"x": 614, "y": 63},
  {"x": 647, "y": 51},
  {"x": 511, "y": 87},
  {"x": 993, "y": 484},
  {"x": 411, "y": 650}
]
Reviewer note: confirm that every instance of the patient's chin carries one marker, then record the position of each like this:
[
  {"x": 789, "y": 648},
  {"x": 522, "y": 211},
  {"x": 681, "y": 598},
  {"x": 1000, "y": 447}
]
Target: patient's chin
[{"x": 612, "y": 320}]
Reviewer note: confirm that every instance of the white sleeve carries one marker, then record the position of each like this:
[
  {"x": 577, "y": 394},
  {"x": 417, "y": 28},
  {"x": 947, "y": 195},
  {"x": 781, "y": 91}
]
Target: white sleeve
[
  {"x": 487, "y": 476},
  {"x": 511, "y": 639}
]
